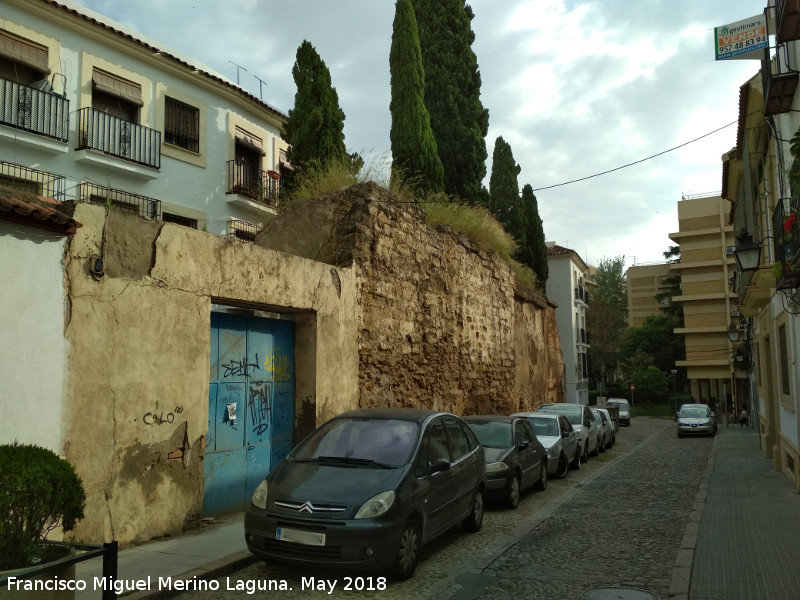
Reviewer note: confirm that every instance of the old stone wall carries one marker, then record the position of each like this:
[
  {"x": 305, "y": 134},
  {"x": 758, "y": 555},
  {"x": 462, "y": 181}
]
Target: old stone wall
[{"x": 443, "y": 324}]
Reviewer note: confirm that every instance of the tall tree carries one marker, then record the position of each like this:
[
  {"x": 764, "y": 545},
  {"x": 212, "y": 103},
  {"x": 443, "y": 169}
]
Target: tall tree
[
  {"x": 674, "y": 309},
  {"x": 414, "y": 151},
  {"x": 608, "y": 316},
  {"x": 315, "y": 128},
  {"x": 452, "y": 94},
  {"x": 504, "y": 201},
  {"x": 533, "y": 250}
]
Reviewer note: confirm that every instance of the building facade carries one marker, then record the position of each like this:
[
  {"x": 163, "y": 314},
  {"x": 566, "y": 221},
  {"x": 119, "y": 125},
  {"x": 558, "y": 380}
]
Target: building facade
[
  {"x": 649, "y": 291},
  {"x": 567, "y": 287},
  {"x": 91, "y": 111}
]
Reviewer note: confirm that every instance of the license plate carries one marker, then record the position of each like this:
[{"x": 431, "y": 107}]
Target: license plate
[{"x": 308, "y": 538}]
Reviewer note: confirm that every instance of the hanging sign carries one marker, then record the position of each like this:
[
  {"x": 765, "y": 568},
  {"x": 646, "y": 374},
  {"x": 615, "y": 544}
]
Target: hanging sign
[{"x": 742, "y": 39}]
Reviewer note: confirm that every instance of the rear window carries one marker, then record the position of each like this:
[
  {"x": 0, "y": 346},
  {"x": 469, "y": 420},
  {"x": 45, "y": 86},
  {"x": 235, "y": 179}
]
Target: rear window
[
  {"x": 573, "y": 412},
  {"x": 386, "y": 441},
  {"x": 492, "y": 434},
  {"x": 543, "y": 426}
]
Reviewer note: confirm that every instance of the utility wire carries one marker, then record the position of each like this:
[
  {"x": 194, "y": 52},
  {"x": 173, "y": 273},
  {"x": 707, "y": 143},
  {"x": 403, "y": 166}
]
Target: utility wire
[{"x": 637, "y": 161}]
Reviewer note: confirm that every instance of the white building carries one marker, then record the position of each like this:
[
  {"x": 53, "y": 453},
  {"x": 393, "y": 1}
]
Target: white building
[
  {"x": 92, "y": 111},
  {"x": 566, "y": 286}
]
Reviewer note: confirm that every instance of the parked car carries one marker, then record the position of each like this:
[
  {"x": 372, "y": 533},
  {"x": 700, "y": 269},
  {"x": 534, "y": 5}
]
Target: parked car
[
  {"x": 696, "y": 419},
  {"x": 607, "y": 437},
  {"x": 582, "y": 421},
  {"x": 624, "y": 410},
  {"x": 559, "y": 439},
  {"x": 515, "y": 459},
  {"x": 367, "y": 489}
]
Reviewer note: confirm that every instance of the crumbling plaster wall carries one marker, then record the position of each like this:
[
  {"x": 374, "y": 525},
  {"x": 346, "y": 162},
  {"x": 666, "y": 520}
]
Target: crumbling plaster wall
[{"x": 139, "y": 340}]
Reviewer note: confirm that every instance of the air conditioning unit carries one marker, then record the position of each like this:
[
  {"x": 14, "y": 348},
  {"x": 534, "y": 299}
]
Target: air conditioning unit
[
  {"x": 734, "y": 313},
  {"x": 729, "y": 250}
]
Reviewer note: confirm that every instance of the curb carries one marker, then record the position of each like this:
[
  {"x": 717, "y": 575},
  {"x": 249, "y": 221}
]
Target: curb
[
  {"x": 680, "y": 585},
  {"x": 211, "y": 570}
]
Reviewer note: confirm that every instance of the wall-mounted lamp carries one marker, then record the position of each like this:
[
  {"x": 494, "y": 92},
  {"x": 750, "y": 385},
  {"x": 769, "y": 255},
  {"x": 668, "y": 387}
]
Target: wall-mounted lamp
[
  {"x": 733, "y": 333},
  {"x": 747, "y": 252}
]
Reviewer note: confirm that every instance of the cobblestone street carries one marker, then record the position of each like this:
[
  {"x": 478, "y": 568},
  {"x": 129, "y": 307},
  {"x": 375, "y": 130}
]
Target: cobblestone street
[{"x": 619, "y": 520}]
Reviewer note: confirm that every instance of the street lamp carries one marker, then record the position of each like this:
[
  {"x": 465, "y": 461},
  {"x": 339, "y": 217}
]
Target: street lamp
[
  {"x": 733, "y": 333},
  {"x": 747, "y": 252}
]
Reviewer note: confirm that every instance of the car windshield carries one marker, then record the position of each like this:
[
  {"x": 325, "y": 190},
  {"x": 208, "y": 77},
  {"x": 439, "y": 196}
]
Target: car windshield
[
  {"x": 493, "y": 434},
  {"x": 573, "y": 413},
  {"x": 694, "y": 413},
  {"x": 543, "y": 426},
  {"x": 376, "y": 442},
  {"x": 623, "y": 405}
]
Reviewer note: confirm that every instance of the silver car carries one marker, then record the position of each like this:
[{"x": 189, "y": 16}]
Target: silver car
[
  {"x": 582, "y": 421},
  {"x": 696, "y": 419},
  {"x": 559, "y": 439},
  {"x": 607, "y": 436}
]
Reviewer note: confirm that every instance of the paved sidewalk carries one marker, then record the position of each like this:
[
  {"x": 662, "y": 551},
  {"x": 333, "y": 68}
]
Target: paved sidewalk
[
  {"x": 213, "y": 549},
  {"x": 748, "y": 541}
]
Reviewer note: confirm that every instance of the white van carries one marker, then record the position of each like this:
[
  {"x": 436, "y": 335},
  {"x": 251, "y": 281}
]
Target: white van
[{"x": 624, "y": 409}]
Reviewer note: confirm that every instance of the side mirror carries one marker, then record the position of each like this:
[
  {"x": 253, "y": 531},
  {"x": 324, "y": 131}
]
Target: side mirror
[{"x": 439, "y": 465}]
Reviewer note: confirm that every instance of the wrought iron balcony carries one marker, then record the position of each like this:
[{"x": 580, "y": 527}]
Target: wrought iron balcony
[
  {"x": 120, "y": 200},
  {"x": 31, "y": 109},
  {"x": 255, "y": 184},
  {"x": 786, "y": 225},
  {"x": 242, "y": 230},
  {"x": 118, "y": 137},
  {"x": 787, "y": 21},
  {"x": 34, "y": 181}
]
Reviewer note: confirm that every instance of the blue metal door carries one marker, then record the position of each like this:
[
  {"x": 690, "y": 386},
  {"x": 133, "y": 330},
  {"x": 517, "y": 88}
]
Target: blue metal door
[{"x": 251, "y": 407}]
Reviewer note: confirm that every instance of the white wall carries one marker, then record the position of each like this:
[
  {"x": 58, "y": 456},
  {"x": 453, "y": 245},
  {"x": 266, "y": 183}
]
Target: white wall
[{"x": 33, "y": 350}]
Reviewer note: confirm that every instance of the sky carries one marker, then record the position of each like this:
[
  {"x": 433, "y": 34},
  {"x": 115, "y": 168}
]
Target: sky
[{"x": 577, "y": 88}]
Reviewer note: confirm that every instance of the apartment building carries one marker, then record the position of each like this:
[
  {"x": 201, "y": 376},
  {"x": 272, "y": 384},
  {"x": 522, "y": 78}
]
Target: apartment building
[
  {"x": 761, "y": 180},
  {"x": 706, "y": 269},
  {"x": 649, "y": 291},
  {"x": 91, "y": 111},
  {"x": 566, "y": 286}
]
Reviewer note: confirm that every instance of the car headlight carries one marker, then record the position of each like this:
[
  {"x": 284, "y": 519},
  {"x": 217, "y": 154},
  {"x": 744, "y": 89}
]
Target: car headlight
[
  {"x": 259, "y": 498},
  {"x": 496, "y": 467},
  {"x": 376, "y": 506}
]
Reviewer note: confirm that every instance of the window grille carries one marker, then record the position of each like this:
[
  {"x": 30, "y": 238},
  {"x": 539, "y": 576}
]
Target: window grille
[{"x": 181, "y": 125}]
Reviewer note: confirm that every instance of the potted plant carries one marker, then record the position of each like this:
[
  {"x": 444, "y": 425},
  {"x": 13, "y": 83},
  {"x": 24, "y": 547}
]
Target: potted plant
[
  {"x": 790, "y": 233},
  {"x": 39, "y": 492}
]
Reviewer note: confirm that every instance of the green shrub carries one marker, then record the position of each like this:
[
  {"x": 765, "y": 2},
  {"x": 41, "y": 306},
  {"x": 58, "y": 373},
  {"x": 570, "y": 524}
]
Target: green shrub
[{"x": 38, "y": 492}]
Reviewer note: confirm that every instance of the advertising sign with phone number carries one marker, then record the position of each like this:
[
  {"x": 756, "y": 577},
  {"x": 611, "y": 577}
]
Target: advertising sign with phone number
[{"x": 742, "y": 39}]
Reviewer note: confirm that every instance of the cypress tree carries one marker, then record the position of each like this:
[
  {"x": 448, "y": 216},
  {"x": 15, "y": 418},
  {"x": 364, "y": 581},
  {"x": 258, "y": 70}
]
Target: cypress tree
[
  {"x": 452, "y": 94},
  {"x": 504, "y": 201},
  {"x": 533, "y": 249},
  {"x": 414, "y": 152},
  {"x": 315, "y": 128}
]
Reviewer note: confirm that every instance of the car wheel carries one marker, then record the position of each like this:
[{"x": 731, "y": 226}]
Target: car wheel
[
  {"x": 563, "y": 466},
  {"x": 601, "y": 447},
  {"x": 576, "y": 462},
  {"x": 475, "y": 519},
  {"x": 405, "y": 563},
  {"x": 512, "y": 496},
  {"x": 541, "y": 484},
  {"x": 586, "y": 452}
]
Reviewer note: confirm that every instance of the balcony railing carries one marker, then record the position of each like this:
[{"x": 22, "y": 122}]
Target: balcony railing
[
  {"x": 242, "y": 230},
  {"x": 118, "y": 137},
  {"x": 34, "y": 181},
  {"x": 258, "y": 185},
  {"x": 120, "y": 200},
  {"x": 786, "y": 225},
  {"x": 34, "y": 110}
]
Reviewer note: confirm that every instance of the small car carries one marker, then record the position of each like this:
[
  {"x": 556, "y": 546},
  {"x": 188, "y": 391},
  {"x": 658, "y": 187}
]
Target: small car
[
  {"x": 515, "y": 459},
  {"x": 607, "y": 435},
  {"x": 624, "y": 410},
  {"x": 367, "y": 489},
  {"x": 582, "y": 421},
  {"x": 559, "y": 439},
  {"x": 696, "y": 419}
]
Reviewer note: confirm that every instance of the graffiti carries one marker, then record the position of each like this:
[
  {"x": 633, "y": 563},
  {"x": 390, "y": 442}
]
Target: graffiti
[
  {"x": 278, "y": 364},
  {"x": 239, "y": 367},
  {"x": 258, "y": 406},
  {"x": 158, "y": 418}
]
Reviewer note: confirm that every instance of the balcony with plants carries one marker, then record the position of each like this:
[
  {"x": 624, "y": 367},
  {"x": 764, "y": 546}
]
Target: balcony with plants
[
  {"x": 262, "y": 187},
  {"x": 786, "y": 225}
]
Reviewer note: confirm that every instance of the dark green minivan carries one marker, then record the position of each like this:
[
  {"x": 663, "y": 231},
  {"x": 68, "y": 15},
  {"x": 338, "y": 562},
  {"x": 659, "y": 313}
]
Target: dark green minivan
[{"x": 367, "y": 489}]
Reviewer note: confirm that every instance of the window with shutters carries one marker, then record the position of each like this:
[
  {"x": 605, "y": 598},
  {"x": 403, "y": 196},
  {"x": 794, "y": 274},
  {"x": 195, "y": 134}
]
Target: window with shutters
[
  {"x": 116, "y": 96},
  {"x": 22, "y": 61},
  {"x": 181, "y": 124}
]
